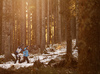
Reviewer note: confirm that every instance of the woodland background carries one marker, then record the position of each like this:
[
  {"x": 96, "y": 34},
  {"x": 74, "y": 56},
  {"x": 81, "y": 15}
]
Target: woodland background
[{"x": 44, "y": 22}]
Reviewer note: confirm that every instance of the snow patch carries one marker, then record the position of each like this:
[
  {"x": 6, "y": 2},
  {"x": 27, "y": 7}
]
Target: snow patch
[{"x": 2, "y": 56}]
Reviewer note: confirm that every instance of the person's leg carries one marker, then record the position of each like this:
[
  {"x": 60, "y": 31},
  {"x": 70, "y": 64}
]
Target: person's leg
[
  {"x": 16, "y": 58},
  {"x": 19, "y": 59},
  {"x": 27, "y": 59}
]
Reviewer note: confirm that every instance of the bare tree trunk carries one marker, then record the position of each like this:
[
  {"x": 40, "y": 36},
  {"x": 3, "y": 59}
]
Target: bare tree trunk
[
  {"x": 48, "y": 23},
  {"x": 52, "y": 22},
  {"x": 69, "y": 40},
  {"x": 3, "y": 24},
  {"x": 68, "y": 32},
  {"x": 14, "y": 18},
  {"x": 89, "y": 37},
  {"x": 73, "y": 25},
  {"x": 7, "y": 21},
  {"x": 29, "y": 25},
  {"x": 38, "y": 22},
  {"x": 55, "y": 27},
  {"x": 59, "y": 22},
  {"x": 16, "y": 30},
  {"x": 14, "y": 34},
  {"x": 33, "y": 30},
  {"x": 77, "y": 21},
  {"x": 19, "y": 30},
  {"x": 23, "y": 22},
  {"x": 16, "y": 27},
  {"x": 43, "y": 27},
  {"x": 55, "y": 23},
  {"x": 1, "y": 3},
  {"x": 11, "y": 26}
]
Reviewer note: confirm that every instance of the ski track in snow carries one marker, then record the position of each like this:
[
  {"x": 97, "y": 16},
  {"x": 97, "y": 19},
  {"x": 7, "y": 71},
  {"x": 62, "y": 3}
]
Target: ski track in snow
[{"x": 44, "y": 58}]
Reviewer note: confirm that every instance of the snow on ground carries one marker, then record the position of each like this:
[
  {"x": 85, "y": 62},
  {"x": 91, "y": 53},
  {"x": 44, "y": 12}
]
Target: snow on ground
[
  {"x": 1, "y": 56},
  {"x": 44, "y": 58}
]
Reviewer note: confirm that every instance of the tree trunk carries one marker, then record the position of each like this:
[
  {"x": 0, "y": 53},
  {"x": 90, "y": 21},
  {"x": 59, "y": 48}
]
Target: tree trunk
[
  {"x": 55, "y": 23},
  {"x": 59, "y": 22},
  {"x": 29, "y": 25},
  {"x": 1, "y": 2},
  {"x": 68, "y": 32},
  {"x": 23, "y": 22},
  {"x": 43, "y": 27},
  {"x": 16, "y": 26},
  {"x": 6, "y": 22},
  {"x": 3, "y": 24},
  {"x": 77, "y": 21},
  {"x": 56, "y": 27},
  {"x": 55, "y": 36},
  {"x": 48, "y": 23},
  {"x": 11, "y": 26},
  {"x": 89, "y": 37},
  {"x": 52, "y": 22},
  {"x": 38, "y": 22},
  {"x": 73, "y": 27},
  {"x": 69, "y": 40},
  {"x": 14, "y": 45}
]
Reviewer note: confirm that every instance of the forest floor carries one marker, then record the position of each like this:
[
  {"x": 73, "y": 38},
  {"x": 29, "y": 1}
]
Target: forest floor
[{"x": 53, "y": 54}]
